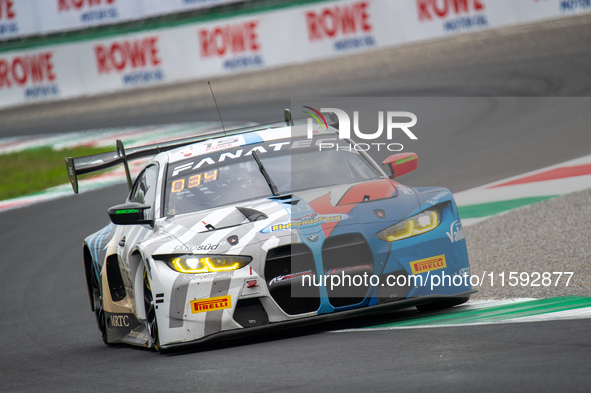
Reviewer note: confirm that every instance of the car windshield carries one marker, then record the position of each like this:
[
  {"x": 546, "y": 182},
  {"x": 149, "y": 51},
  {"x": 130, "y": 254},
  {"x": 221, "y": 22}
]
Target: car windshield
[{"x": 234, "y": 176}]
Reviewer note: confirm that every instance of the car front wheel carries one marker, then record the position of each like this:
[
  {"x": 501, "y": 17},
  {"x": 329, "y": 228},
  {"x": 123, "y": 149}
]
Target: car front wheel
[{"x": 99, "y": 311}]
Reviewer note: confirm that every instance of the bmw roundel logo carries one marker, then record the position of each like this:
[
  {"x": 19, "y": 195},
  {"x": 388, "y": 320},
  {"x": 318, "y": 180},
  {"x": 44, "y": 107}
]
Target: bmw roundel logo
[{"x": 313, "y": 237}]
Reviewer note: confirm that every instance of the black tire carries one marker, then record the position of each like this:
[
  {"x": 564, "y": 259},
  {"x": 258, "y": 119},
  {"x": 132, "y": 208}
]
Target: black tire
[
  {"x": 442, "y": 304},
  {"x": 151, "y": 322},
  {"x": 99, "y": 311}
]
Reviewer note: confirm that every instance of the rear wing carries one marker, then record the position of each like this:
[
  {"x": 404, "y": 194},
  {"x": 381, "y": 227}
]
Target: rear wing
[{"x": 98, "y": 162}]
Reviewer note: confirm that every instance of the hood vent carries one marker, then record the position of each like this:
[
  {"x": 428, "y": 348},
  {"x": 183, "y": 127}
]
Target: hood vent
[{"x": 252, "y": 214}]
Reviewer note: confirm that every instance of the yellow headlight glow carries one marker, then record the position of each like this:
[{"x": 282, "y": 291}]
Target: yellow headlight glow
[
  {"x": 421, "y": 223},
  {"x": 194, "y": 264}
]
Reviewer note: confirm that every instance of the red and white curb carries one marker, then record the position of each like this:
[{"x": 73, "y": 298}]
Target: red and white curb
[{"x": 481, "y": 203}]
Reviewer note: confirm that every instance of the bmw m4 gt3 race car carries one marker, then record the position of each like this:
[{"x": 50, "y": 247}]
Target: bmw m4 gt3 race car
[{"x": 259, "y": 228}]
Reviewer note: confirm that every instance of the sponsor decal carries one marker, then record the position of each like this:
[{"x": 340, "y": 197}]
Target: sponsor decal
[
  {"x": 428, "y": 264},
  {"x": 231, "y": 156},
  {"x": 237, "y": 44},
  {"x": 208, "y": 276},
  {"x": 211, "y": 304},
  {"x": 315, "y": 218},
  {"x": 313, "y": 237},
  {"x": 348, "y": 26},
  {"x": 289, "y": 277},
  {"x": 119, "y": 320},
  {"x": 135, "y": 59},
  {"x": 221, "y": 144},
  {"x": 306, "y": 221},
  {"x": 90, "y": 10},
  {"x": 436, "y": 198},
  {"x": 321, "y": 143},
  {"x": 456, "y": 232},
  {"x": 349, "y": 269},
  {"x": 127, "y": 211},
  {"x": 404, "y": 160},
  {"x": 242, "y": 152},
  {"x": 456, "y": 15},
  {"x": 33, "y": 72},
  {"x": 202, "y": 247}
]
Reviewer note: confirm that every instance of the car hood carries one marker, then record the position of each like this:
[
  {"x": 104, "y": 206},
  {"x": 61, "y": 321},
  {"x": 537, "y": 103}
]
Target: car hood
[{"x": 383, "y": 201}]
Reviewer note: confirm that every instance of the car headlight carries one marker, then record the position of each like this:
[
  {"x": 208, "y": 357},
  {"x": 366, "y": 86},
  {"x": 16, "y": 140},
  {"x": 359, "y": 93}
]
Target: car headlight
[
  {"x": 192, "y": 264},
  {"x": 421, "y": 223}
]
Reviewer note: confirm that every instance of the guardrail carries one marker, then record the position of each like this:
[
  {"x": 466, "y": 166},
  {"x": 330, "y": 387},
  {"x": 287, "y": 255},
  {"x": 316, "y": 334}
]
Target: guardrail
[{"x": 251, "y": 40}]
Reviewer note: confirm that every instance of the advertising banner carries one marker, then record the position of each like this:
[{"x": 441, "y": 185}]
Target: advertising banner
[
  {"x": 60, "y": 15},
  {"x": 338, "y": 28},
  {"x": 129, "y": 61},
  {"x": 237, "y": 44},
  {"x": 250, "y": 42},
  {"x": 39, "y": 75},
  {"x": 17, "y": 19},
  {"x": 428, "y": 19}
]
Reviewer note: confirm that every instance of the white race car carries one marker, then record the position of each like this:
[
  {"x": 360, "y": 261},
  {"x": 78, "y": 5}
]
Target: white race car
[{"x": 245, "y": 230}]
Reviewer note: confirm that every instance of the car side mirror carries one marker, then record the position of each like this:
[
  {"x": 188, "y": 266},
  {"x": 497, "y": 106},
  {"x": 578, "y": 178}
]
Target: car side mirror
[
  {"x": 131, "y": 213},
  {"x": 402, "y": 163}
]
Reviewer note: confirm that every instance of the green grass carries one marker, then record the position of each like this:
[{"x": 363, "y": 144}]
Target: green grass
[{"x": 30, "y": 171}]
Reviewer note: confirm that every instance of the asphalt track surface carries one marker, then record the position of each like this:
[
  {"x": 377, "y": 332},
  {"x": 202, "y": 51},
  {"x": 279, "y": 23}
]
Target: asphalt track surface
[{"x": 49, "y": 340}]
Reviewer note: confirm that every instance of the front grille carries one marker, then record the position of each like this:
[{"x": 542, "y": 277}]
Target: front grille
[
  {"x": 285, "y": 268},
  {"x": 350, "y": 256}
]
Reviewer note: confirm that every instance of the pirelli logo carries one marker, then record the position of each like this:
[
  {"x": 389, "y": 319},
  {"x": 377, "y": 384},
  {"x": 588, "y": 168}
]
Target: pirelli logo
[
  {"x": 428, "y": 264},
  {"x": 211, "y": 304}
]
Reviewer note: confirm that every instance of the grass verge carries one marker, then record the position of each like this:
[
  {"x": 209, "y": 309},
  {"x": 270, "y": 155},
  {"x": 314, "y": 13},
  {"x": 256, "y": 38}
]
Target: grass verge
[{"x": 30, "y": 171}]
